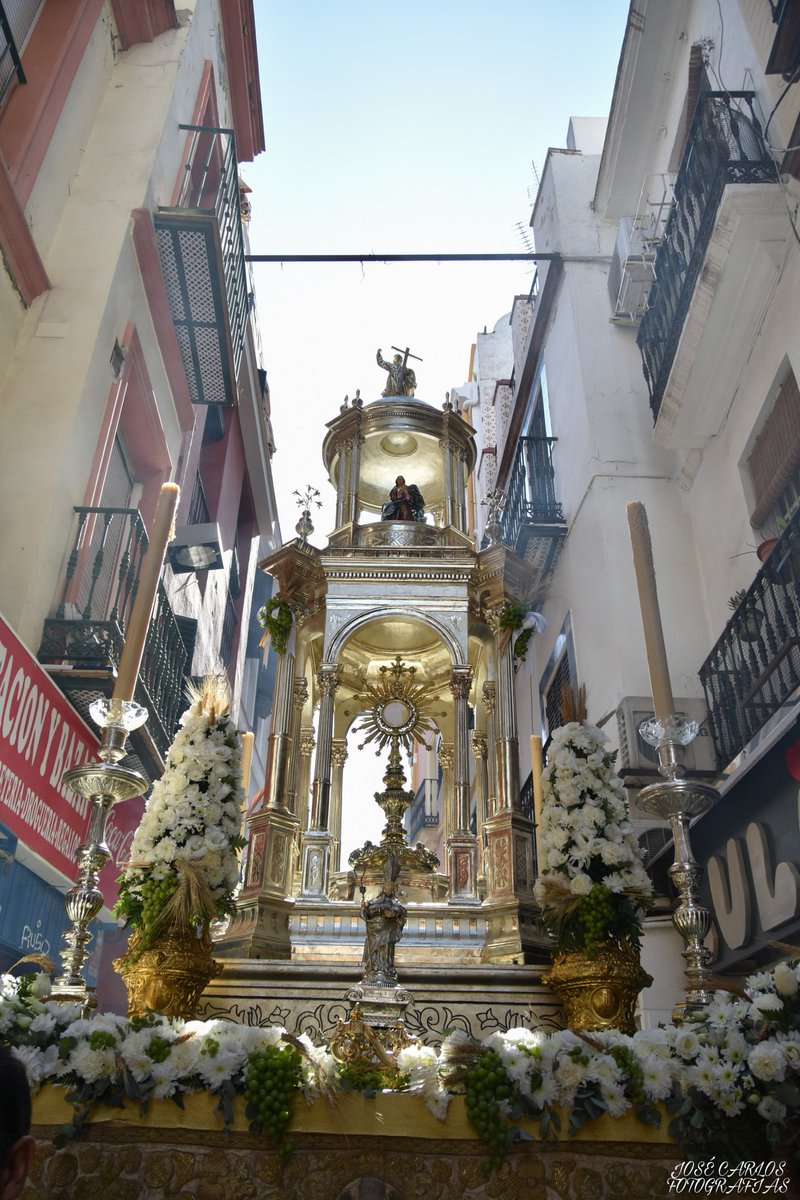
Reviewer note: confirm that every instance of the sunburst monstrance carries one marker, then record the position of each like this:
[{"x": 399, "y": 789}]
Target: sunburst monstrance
[
  {"x": 401, "y": 709},
  {"x": 401, "y": 713}
]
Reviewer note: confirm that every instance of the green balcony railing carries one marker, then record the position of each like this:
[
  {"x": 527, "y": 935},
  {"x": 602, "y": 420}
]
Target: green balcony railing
[
  {"x": 82, "y": 642},
  {"x": 201, "y": 247},
  {"x": 533, "y": 520},
  {"x": 724, "y": 146},
  {"x": 754, "y": 669}
]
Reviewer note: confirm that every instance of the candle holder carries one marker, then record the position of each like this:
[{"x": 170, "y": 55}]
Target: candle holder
[
  {"x": 104, "y": 784},
  {"x": 678, "y": 800}
]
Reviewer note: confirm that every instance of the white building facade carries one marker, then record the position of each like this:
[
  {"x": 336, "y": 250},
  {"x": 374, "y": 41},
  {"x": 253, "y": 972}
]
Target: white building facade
[
  {"x": 130, "y": 356},
  {"x": 656, "y": 360}
]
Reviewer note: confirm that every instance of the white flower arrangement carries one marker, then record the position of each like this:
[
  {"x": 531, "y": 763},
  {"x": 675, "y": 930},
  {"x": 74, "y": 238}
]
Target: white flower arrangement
[
  {"x": 729, "y": 1075},
  {"x": 592, "y": 882},
  {"x": 185, "y": 851}
]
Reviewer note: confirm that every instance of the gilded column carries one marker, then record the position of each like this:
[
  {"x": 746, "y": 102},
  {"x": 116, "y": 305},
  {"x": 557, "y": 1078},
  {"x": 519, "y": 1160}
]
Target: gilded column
[
  {"x": 462, "y": 844},
  {"x": 298, "y": 704},
  {"x": 507, "y": 742},
  {"x": 279, "y": 744},
  {"x": 510, "y": 906},
  {"x": 480, "y": 752},
  {"x": 307, "y": 742},
  {"x": 354, "y": 471},
  {"x": 317, "y": 839},
  {"x": 328, "y": 682},
  {"x": 460, "y": 684},
  {"x": 343, "y": 483},
  {"x": 460, "y": 463},
  {"x": 447, "y": 464},
  {"x": 260, "y": 927},
  {"x": 446, "y": 794},
  {"x": 306, "y": 747},
  {"x": 338, "y": 758},
  {"x": 489, "y": 702}
]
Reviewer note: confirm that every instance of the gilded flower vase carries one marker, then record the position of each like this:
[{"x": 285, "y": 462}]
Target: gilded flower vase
[
  {"x": 598, "y": 991},
  {"x": 170, "y": 977}
]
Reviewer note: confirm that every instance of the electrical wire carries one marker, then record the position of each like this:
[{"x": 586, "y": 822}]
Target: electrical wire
[{"x": 779, "y": 101}]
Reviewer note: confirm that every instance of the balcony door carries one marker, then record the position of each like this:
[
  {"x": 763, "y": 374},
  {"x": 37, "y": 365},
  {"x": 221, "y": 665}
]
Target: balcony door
[{"x": 108, "y": 537}]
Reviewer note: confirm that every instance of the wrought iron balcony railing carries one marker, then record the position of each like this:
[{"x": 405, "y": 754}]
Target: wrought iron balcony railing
[
  {"x": 17, "y": 18},
  {"x": 201, "y": 248},
  {"x": 724, "y": 146},
  {"x": 417, "y": 816},
  {"x": 527, "y": 808},
  {"x": 533, "y": 520},
  {"x": 87, "y": 633},
  {"x": 754, "y": 669}
]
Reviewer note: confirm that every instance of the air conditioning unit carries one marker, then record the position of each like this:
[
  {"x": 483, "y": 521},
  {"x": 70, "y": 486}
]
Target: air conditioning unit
[
  {"x": 637, "y": 761},
  {"x": 632, "y": 273}
]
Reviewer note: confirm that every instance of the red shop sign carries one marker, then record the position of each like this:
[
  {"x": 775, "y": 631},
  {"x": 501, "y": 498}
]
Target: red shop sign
[{"x": 41, "y": 736}]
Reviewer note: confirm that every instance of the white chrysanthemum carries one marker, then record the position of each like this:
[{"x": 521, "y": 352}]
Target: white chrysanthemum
[
  {"x": 581, "y": 884},
  {"x": 791, "y": 1050},
  {"x": 767, "y": 1002},
  {"x": 653, "y": 1041},
  {"x": 786, "y": 983},
  {"x": 39, "y": 1064},
  {"x": 603, "y": 1069},
  {"x": 546, "y": 1093},
  {"x": 569, "y": 1073},
  {"x": 686, "y": 1043},
  {"x": 759, "y": 982},
  {"x": 613, "y": 1096},
  {"x": 767, "y": 1061},
  {"x": 771, "y": 1109},
  {"x": 656, "y": 1077},
  {"x": 43, "y": 1023},
  {"x": 216, "y": 1070},
  {"x": 90, "y": 1064}
]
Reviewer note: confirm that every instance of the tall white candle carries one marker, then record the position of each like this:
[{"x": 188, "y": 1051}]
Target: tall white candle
[
  {"x": 247, "y": 760},
  {"x": 663, "y": 703},
  {"x": 153, "y": 561},
  {"x": 537, "y": 763}
]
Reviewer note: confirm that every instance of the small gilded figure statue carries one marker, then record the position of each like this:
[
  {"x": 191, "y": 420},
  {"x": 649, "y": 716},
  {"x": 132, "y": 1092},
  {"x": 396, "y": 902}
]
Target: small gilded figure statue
[
  {"x": 401, "y": 380},
  {"x": 405, "y": 502},
  {"x": 384, "y": 917}
]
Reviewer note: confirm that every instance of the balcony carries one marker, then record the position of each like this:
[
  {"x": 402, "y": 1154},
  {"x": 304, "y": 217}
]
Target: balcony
[
  {"x": 754, "y": 669},
  {"x": 81, "y": 645},
  {"x": 418, "y": 817},
  {"x": 533, "y": 522},
  {"x": 202, "y": 257},
  {"x": 712, "y": 269},
  {"x": 527, "y": 810}
]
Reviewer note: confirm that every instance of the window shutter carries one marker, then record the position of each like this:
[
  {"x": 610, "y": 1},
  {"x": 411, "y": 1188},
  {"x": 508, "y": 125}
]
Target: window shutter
[{"x": 776, "y": 453}]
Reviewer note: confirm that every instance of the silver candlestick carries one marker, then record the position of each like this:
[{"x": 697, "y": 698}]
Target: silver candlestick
[
  {"x": 104, "y": 783},
  {"x": 679, "y": 800}
]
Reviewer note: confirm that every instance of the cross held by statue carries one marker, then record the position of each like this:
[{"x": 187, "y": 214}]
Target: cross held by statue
[{"x": 406, "y": 355}]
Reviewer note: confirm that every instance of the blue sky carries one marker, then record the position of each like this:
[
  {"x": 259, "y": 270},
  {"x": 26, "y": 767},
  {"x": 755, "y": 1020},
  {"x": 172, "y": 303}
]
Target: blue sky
[
  {"x": 393, "y": 129},
  {"x": 400, "y": 128}
]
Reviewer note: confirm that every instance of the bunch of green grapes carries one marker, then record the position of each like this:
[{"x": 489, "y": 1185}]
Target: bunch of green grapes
[
  {"x": 362, "y": 1079},
  {"x": 634, "y": 1075},
  {"x": 486, "y": 1086},
  {"x": 595, "y": 917},
  {"x": 155, "y": 894},
  {"x": 272, "y": 1075}
]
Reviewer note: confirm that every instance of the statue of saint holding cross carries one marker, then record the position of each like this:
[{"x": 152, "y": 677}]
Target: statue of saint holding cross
[{"x": 401, "y": 380}]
